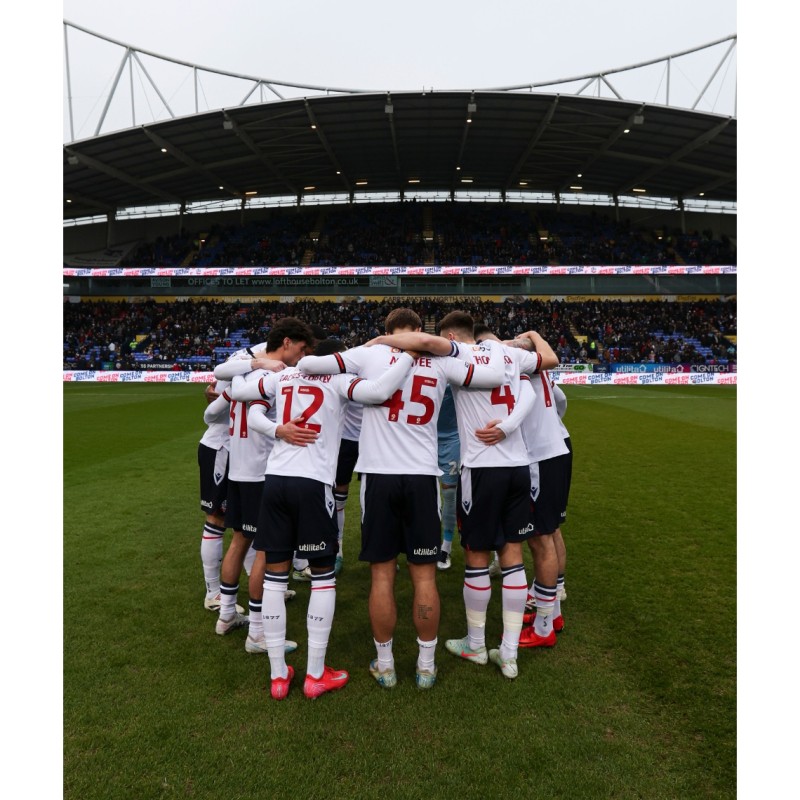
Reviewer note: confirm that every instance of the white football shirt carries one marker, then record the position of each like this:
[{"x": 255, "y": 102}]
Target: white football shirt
[
  {"x": 476, "y": 408},
  {"x": 542, "y": 428},
  {"x": 249, "y": 448},
  {"x": 399, "y": 437},
  {"x": 216, "y": 435},
  {"x": 238, "y": 363},
  {"x": 320, "y": 400},
  {"x": 561, "y": 405},
  {"x": 353, "y": 414}
]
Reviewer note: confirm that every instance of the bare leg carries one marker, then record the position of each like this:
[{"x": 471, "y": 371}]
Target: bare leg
[
  {"x": 382, "y": 606},
  {"x": 426, "y": 600}
]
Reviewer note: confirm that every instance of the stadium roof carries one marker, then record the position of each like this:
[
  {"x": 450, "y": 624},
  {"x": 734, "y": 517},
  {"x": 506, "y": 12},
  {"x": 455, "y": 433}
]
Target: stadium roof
[
  {"x": 529, "y": 140},
  {"x": 492, "y": 141}
]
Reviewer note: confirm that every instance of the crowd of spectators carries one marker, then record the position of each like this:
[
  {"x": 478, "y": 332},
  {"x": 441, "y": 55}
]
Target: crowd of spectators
[
  {"x": 444, "y": 233},
  {"x": 361, "y": 235},
  {"x": 198, "y": 334}
]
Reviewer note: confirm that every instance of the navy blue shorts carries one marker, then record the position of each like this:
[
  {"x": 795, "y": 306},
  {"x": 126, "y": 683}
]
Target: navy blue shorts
[
  {"x": 549, "y": 491},
  {"x": 400, "y": 514},
  {"x": 244, "y": 505},
  {"x": 297, "y": 514},
  {"x": 213, "y": 479},
  {"x": 493, "y": 507}
]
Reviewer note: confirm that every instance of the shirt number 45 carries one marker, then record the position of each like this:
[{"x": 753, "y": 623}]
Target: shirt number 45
[{"x": 395, "y": 403}]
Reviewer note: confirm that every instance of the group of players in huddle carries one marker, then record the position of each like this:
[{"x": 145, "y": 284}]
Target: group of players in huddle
[{"x": 442, "y": 429}]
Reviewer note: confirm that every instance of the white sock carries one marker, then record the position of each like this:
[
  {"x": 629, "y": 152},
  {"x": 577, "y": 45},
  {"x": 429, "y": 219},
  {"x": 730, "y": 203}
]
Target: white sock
[
  {"x": 211, "y": 555},
  {"x": 477, "y": 593},
  {"x": 319, "y": 620},
  {"x": 299, "y": 563},
  {"x": 545, "y": 608},
  {"x": 273, "y": 615},
  {"x": 227, "y": 600},
  {"x": 515, "y": 591},
  {"x": 341, "y": 502},
  {"x": 426, "y": 660},
  {"x": 385, "y": 655},
  {"x": 256, "y": 627}
]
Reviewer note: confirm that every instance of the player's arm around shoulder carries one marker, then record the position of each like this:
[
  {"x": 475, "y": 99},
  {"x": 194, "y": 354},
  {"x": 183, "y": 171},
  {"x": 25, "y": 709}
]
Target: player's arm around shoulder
[
  {"x": 217, "y": 410},
  {"x": 377, "y": 391},
  {"x": 259, "y": 385},
  {"x": 332, "y": 364},
  {"x": 416, "y": 340},
  {"x": 542, "y": 352},
  {"x": 486, "y": 362}
]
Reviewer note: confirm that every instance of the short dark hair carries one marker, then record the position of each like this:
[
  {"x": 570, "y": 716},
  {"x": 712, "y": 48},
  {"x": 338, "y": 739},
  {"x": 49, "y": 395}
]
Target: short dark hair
[
  {"x": 328, "y": 346},
  {"x": 292, "y": 328},
  {"x": 319, "y": 332},
  {"x": 457, "y": 320},
  {"x": 479, "y": 329},
  {"x": 402, "y": 318}
]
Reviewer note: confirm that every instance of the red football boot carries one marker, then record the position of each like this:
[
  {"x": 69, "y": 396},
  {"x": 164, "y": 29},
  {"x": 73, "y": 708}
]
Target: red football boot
[
  {"x": 529, "y": 638},
  {"x": 280, "y": 686},
  {"x": 330, "y": 680}
]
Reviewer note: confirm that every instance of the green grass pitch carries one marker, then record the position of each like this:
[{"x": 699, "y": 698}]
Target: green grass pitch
[{"x": 637, "y": 700}]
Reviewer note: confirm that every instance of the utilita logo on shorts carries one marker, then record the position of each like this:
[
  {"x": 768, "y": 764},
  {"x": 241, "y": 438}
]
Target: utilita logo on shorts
[
  {"x": 425, "y": 551},
  {"x": 312, "y": 548},
  {"x": 527, "y": 529}
]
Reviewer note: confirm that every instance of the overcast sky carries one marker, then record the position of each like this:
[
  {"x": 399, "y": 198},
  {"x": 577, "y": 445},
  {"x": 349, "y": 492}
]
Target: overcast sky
[
  {"x": 365, "y": 44},
  {"x": 447, "y": 44}
]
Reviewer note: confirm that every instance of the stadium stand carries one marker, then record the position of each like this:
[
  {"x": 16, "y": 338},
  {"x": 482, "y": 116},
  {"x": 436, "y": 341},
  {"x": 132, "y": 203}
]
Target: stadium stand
[
  {"x": 198, "y": 335},
  {"x": 414, "y": 233}
]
